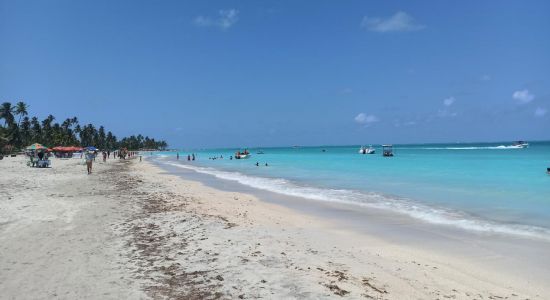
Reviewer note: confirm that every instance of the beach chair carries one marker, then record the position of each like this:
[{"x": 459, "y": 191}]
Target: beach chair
[{"x": 44, "y": 163}]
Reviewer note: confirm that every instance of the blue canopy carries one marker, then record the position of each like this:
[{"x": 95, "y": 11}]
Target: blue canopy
[{"x": 91, "y": 148}]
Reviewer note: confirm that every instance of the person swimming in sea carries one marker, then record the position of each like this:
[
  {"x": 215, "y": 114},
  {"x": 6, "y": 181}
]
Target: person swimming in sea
[
  {"x": 266, "y": 164},
  {"x": 257, "y": 164}
]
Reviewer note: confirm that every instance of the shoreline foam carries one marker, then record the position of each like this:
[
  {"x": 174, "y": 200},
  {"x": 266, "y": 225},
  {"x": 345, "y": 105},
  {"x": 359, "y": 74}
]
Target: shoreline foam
[{"x": 430, "y": 214}]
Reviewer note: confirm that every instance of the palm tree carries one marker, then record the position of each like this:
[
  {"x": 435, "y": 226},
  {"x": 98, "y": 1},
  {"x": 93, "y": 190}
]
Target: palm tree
[
  {"x": 47, "y": 132},
  {"x": 6, "y": 113},
  {"x": 3, "y": 138},
  {"x": 21, "y": 110},
  {"x": 28, "y": 130},
  {"x": 36, "y": 130},
  {"x": 25, "y": 131},
  {"x": 10, "y": 135},
  {"x": 101, "y": 142}
]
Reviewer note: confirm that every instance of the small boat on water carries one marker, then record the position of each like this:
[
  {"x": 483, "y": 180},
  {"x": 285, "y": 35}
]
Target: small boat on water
[
  {"x": 242, "y": 155},
  {"x": 520, "y": 144},
  {"x": 387, "y": 150},
  {"x": 367, "y": 150}
]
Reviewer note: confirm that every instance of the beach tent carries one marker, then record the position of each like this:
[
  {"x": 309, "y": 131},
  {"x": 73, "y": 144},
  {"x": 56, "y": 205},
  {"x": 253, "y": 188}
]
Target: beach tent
[
  {"x": 66, "y": 149},
  {"x": 59, "y": 149},
  {"x": 74, "y": 149},
  {"x": 36, "y": 146}
]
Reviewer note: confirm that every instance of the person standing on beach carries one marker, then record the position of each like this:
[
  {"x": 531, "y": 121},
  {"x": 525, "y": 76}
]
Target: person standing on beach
[
  {"x": 90, "y": 156},
  {"x": 104, "y": 156},
  {"x": 178, "y": 156}
]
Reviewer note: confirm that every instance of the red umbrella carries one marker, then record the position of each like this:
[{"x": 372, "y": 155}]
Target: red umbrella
[{"x": 66, "y": 149}]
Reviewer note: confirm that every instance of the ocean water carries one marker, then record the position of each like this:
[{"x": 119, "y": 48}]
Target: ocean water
[{"x": 491, "y": 188}]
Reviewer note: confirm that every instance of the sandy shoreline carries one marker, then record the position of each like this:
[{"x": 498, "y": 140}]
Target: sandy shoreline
[{"x": 131, "y": 231}]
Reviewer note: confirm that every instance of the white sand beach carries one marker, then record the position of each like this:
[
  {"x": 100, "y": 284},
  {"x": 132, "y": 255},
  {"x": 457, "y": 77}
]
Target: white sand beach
[{"x": 132, "y": 231}]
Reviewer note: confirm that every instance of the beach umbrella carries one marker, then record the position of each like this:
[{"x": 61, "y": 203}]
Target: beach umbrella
[
  {"x": 91, "y": 148},
  {"x": 73, "y": 149},
  {"x": 66, "y": 149},
  {"x": 36, "y": 146}
]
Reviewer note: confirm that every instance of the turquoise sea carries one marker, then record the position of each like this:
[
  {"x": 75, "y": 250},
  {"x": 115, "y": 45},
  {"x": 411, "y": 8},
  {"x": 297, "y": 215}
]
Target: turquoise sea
[{"x": 484, "y": 187}]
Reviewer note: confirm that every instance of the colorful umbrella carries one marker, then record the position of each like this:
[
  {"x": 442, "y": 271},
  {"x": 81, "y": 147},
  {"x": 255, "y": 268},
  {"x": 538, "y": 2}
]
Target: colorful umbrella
[{"x": 36, "y": 146}]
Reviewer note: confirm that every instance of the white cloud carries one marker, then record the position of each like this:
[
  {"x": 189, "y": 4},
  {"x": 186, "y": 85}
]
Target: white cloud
[
  {"x": 523, "y": 97},
  {"x": 346, "y": 91},
  {"x": 400, "y": 21},
  {"x": 225, "y": 19},
  {"x": 485, "y": 77},
  {"x": 444, "y": 113},
  {"x": 449, "y": 101},
  {"x": 540, "y": 112},
  {"x": 365, "y": 119},
  {"x": 446, "y": 110}
]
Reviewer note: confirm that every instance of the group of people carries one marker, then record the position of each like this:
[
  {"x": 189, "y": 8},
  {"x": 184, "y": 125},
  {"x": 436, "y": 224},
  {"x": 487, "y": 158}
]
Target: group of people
[
  {"x": 38, "y": 158},
  {"x": 190, "y": 157},
  {"x": 90, "y": 155}
]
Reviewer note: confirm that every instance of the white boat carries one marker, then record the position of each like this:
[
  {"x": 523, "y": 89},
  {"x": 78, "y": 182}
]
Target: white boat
[
  {"x": 367, "y": 150},
  {"x": 387, "y": 150},
  {"x": 242, "y": 155},
  {"x": 520, "y": 144}
]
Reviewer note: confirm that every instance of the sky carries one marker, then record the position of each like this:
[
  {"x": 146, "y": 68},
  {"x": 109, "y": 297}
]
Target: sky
[{"x": 279, "y": 73}]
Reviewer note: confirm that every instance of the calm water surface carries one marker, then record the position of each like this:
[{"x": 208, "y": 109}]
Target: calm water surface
[{"x": 482, "y": 187}]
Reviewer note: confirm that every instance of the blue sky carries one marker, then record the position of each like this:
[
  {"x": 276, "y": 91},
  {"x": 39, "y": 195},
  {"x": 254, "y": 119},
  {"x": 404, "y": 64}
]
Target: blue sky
[{"x": 269, "y": 73}]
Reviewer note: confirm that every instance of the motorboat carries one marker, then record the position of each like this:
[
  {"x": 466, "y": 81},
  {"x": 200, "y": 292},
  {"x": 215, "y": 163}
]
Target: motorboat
[
  {"x": 520, "y": 144},
  {"x": 242, "y": 155},
  {"x": 387, "y": 150},
  {"x": 367, "y": 150}
]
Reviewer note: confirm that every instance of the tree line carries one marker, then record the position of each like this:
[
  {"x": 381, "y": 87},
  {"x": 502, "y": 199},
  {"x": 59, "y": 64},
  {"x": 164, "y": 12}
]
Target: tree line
[{"x": 19, "y": 130}]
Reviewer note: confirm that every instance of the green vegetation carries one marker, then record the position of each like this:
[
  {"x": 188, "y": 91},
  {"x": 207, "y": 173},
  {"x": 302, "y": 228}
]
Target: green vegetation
[{"x": 19, "y": 130}]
